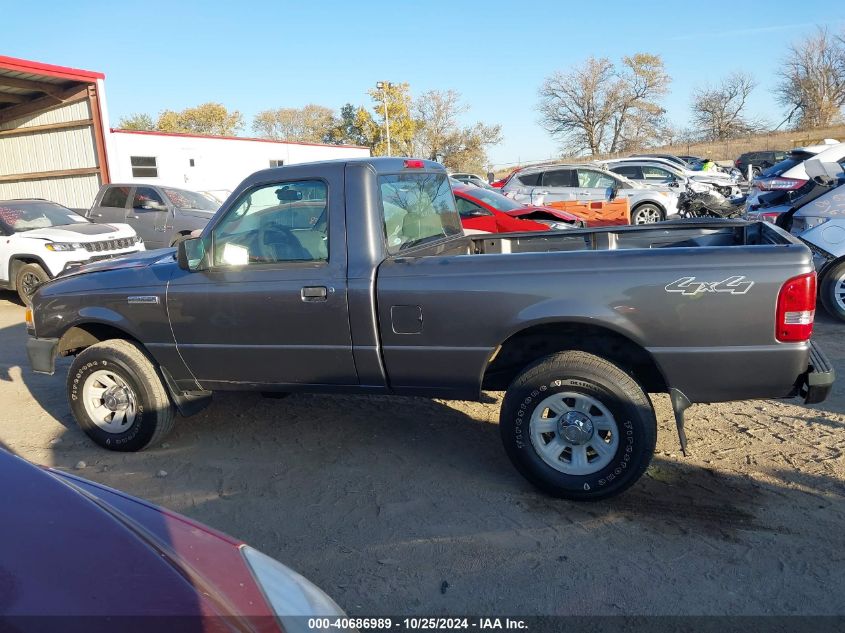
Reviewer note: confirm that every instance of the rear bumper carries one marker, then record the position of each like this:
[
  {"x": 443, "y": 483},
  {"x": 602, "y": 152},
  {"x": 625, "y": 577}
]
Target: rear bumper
[
  {"x": 42, "y": 354},
  {"x": 815, "y": 384}
]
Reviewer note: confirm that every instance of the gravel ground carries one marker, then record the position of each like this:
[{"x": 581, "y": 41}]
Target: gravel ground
[{"x": 409, "y": 506}]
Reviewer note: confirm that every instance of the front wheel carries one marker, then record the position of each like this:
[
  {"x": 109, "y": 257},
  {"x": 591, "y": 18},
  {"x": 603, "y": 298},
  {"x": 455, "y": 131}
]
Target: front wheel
[
  {"x": 578, "y": 427},
  {"x": 646, "y": 214},
  {"x": 117, "y": 397},
  {"x": 27, "y": 280},
  {"x": 832, "y": 291}
]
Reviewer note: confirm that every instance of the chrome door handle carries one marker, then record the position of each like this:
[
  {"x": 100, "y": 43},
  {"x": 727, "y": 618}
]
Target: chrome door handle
[
  {"x": 97, "y": 215},
  {"x": 314, "y": 293}
]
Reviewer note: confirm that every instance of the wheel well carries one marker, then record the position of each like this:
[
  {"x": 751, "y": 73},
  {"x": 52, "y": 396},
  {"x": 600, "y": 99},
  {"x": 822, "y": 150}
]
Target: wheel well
[
  {"x": 531, "y": 344},
  {"x": 79, "y": 337},
  {"x": 21, "y": 260}
]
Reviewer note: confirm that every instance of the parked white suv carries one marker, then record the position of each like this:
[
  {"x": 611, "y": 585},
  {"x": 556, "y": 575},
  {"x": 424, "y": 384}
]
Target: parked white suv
[{"x": 42, "y": 239}]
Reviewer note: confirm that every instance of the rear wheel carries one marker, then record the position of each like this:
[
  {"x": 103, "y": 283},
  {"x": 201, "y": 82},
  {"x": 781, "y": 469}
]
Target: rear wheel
[
  {"x": 117, "y": 397},
  {"x": 646, "y": 214},
  {"x": 832, "y": 291},
  {"x": 27, "y": 280},
  {"x": 578, "y": 427}
]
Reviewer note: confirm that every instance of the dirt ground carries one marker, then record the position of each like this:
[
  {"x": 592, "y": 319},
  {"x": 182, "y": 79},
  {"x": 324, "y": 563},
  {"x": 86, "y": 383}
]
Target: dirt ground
[{"x": 409, "y": 506}]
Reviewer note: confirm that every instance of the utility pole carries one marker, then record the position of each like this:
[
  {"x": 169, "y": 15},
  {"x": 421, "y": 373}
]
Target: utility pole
[{"x": 383, "y": 86}]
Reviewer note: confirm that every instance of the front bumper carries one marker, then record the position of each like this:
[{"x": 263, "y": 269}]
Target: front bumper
[
  {"x": 42, "y": 354},
  {"x": 815, "y": 384}
]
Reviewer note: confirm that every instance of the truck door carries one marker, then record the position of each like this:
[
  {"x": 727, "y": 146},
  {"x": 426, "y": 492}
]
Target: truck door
[
  {"x": 271, "y": 307},
  {"x": 149, "y": 216}
]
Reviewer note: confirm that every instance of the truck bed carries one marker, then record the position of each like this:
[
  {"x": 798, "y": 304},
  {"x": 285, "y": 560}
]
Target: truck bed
[{"x": 678, "y": 234}]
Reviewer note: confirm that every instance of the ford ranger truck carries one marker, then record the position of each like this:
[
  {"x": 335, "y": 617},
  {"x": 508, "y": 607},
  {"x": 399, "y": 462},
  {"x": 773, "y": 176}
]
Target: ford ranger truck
[{"x": 355, "y": 276}]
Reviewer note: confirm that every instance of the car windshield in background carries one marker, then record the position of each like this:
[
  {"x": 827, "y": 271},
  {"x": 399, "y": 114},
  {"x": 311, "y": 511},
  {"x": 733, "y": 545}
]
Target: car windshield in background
[
  {"x": 190, "y": 200},
  {"x": 495, "y": 200},
  {"x": 19, "y": 216},
  {"x": 417, "y": 208},
  {"x": 795, "y": 158}
]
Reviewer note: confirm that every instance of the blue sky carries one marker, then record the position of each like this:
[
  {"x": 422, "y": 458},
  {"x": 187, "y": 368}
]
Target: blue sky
[{"x": 257, "y": 55}]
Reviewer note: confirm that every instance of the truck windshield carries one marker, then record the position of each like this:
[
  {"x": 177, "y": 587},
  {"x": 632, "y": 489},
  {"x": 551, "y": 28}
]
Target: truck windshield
[
  {"x": 184, "y": 199},
  {"x": 19, "y": 216},
  {"x": 417, "y": 208}
]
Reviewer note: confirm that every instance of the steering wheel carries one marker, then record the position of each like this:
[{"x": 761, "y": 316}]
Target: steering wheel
[{"x": 271, "y": 235}]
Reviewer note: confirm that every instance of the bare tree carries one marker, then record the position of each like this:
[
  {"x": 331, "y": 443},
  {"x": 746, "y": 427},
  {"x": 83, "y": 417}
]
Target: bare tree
[
  {"x": 439, "y": 135},
  {"x": 577, "y": 106},
  {"x": 639, "y": 118},
  {"x": 813, "y": 82},
  {"x": 596, "y": 107},
  {"x": 719, "y": 113}
]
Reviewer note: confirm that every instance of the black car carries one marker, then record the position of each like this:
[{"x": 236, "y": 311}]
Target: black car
[{"x": 759, "y": 161}]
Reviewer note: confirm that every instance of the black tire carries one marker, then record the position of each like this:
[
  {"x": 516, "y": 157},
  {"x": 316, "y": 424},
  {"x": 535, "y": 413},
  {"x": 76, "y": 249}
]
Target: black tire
[
  {"x": 588, "y": 375},
  {"x": 654, "y": 212},
  {"x": 756, "y": 171},
  {"x": 154, "y": 412},
  {"x": 827, "y": 291},
  {"x": 27, "y": 279}
]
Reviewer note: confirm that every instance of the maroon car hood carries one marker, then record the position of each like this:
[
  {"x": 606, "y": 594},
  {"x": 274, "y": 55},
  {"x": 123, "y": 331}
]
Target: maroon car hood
[{"x": 67, "y": 552}]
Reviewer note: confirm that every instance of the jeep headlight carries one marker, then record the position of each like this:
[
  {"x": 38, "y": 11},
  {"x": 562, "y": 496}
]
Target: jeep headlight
[{"x": 63, "y": 246}]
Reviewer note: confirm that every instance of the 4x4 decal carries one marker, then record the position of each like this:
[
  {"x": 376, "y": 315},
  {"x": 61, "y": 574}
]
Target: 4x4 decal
[{"x": 689, "y": 286}]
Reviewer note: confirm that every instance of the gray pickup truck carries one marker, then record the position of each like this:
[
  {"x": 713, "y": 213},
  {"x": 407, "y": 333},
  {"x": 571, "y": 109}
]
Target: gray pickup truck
[
  {"x": 355, "y": 276},
  {"x": 161, "y": 216}
]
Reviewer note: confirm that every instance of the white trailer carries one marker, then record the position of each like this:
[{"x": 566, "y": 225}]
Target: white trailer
[{"x": 204, "y": 163}]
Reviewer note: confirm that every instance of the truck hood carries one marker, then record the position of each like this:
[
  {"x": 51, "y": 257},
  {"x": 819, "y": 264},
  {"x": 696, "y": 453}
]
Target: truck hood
[
  {"x": 80, "y": 232},
  {"x": 125, "y": 262}
]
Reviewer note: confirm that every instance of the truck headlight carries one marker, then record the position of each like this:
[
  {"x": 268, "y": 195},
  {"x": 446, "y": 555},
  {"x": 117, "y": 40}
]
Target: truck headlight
[
  {"x": 288, "y": 593},
  {"x": 63, "y": 246}
]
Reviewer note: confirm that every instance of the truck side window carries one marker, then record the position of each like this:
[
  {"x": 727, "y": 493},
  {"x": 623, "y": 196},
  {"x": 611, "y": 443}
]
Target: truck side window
[
  {"x": 146, "y": 195},
  {"x": 115, "y": 197},
  {"x": 282, "y": 222}
]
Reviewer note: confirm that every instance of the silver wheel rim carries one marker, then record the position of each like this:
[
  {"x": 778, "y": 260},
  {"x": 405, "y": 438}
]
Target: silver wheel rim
[
  {"x": 839, "y": 292},
  {"x": 109, "y": 401},
  {"x": 574, "y": 433},
  {"x": 647, "y": 215}
]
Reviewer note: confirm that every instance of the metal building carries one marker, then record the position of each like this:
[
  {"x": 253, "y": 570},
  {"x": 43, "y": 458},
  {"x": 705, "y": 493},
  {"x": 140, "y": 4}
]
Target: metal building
[
  {"x": 55, "y": 142},
  {"x": 52, "y": 132}
]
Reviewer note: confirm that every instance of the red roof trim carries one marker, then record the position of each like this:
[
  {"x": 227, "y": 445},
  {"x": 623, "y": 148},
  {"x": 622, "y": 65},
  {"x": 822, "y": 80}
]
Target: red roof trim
[
  {"x": 38, "y": 68},
  {"x": 232, "y": 138}
]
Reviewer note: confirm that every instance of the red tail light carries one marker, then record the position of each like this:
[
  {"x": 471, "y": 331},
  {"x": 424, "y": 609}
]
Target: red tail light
[
  {"x": 780, "y": 184},
  {"x": 414, "y": 164},
  {"x": 796, "y": 309}
]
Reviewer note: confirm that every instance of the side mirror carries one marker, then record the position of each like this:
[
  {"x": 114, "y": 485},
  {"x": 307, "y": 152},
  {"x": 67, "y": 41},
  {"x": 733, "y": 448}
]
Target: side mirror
[
  {"x": 613, "y": 192},
  {"x": 191, "y": 255}
]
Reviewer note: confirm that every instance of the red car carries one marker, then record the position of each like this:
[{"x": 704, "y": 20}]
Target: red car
[
  {"x": 491, "y": 212},
  {"x": 73, "y": 548}
]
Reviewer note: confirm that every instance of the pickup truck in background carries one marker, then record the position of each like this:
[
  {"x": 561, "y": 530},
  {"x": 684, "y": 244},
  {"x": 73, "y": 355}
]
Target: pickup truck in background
[
  {"x": 355, "y": 276},
  {"x": 161, "y": 216}
]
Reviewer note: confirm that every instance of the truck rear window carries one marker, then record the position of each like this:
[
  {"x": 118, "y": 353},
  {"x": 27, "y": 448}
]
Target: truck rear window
[{"x": 417, "y": 208}]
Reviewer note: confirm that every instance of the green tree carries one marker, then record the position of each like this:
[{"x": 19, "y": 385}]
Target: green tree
[
  {"x": 402, "y": 126},
  {"x": 137, "y": 121},
  {"x": 207, "y": 118},
  {"x": 311, "y": 123},
  {"x": 349, "y": 128}
]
